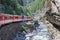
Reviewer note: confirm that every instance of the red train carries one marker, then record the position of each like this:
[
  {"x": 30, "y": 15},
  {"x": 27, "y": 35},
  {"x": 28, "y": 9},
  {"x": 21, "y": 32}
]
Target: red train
[{"x": 12, "y": 17}]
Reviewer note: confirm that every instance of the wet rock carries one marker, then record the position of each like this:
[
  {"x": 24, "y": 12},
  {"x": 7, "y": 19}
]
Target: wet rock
[
  {"x": 40, "y": 33},
  {"x": 55, "y": 33}
]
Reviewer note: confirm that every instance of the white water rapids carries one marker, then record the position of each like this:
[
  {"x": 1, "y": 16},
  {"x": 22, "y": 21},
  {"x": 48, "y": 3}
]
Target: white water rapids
[{"x": 41, "y": 33}]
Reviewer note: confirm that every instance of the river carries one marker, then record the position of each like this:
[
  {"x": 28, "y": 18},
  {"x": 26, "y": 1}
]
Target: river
[{"x": 41, "y": 33}]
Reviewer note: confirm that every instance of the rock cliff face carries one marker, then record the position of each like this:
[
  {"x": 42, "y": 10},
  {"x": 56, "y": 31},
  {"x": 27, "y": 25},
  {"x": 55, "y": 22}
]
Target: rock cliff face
[
  {"x": 53, "y": 18},
  {"x": 8, "y": 32},
  {"x": 53, "y": 15}
]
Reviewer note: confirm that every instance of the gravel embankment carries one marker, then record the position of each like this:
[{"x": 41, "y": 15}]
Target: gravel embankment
[{"x": 8, "y": 32}]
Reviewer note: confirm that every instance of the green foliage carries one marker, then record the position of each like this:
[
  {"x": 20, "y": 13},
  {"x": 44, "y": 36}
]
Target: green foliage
[
  {"x": 12, "y": 7},
  {"x": 27, "y": 28},
  {"x": 24, "y": 28},
  {"x": 36, "y": 5},
  {"x": 8, "y": 9}
]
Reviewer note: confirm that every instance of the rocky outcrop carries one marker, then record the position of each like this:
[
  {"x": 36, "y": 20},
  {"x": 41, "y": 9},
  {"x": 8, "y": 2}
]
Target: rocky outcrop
[
  {"x": 53, "y": 15},
  {"x": 54, "y": 32}
]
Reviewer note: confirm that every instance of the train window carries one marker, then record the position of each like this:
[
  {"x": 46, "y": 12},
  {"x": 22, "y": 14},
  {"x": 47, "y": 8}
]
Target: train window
[
  {"x": 0, "y": 18},
  {"x": 20, "y": 17}
]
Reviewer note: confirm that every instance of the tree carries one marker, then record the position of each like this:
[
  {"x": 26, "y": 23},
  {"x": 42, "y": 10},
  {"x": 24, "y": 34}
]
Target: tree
[{"x": 12, "y": 7}]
